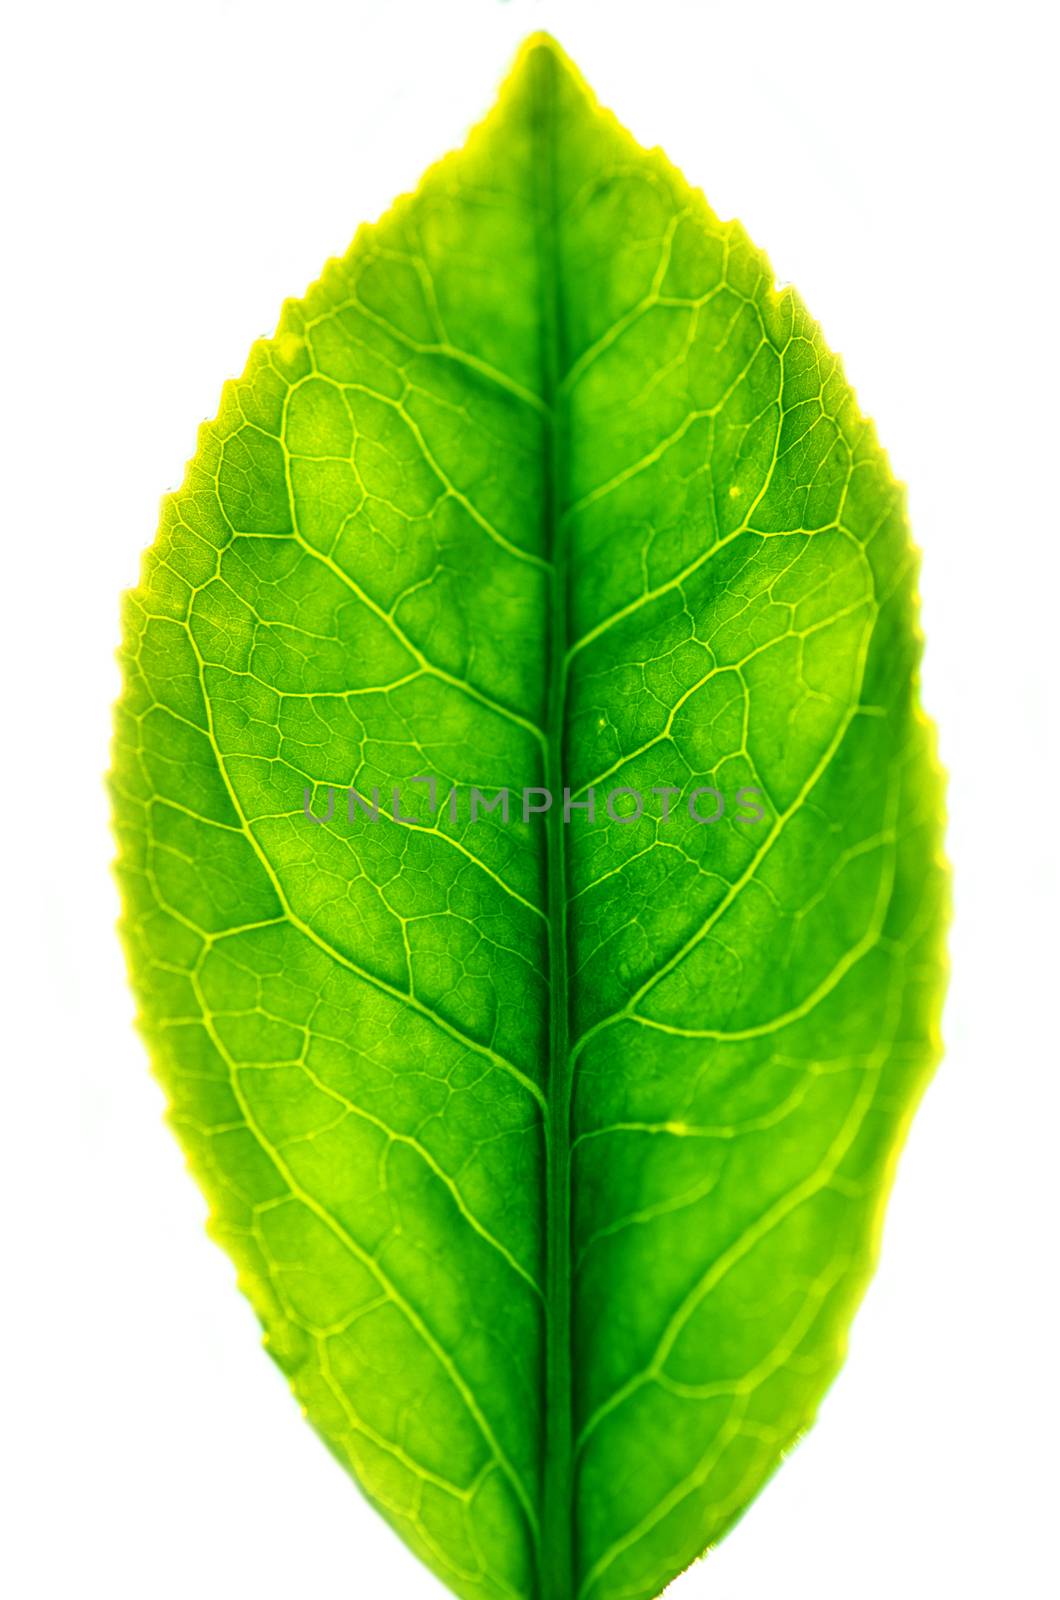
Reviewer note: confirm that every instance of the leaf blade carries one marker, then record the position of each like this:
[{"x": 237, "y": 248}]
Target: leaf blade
[{"x": 405, "y": 548}]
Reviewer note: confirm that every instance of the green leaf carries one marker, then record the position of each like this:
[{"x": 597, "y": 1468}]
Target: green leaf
[{"x": 551, "y": 1153}]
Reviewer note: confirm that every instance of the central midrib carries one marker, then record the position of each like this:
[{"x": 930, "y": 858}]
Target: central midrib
[{"x": 557, "y": 1529}]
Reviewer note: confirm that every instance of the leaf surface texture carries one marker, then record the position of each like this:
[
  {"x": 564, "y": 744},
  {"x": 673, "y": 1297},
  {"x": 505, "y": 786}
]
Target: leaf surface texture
[{"x": 551, "y": 1156}]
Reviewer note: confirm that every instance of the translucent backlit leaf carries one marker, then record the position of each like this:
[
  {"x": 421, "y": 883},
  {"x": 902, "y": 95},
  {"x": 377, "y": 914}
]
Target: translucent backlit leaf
[{"x": 551, "y": 1149}]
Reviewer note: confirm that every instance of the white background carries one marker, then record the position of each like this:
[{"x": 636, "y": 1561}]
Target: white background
[{"x": 175, "y": 170}]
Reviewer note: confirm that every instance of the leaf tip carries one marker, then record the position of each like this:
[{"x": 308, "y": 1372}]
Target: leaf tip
[{"x": 541, "y": 53}]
